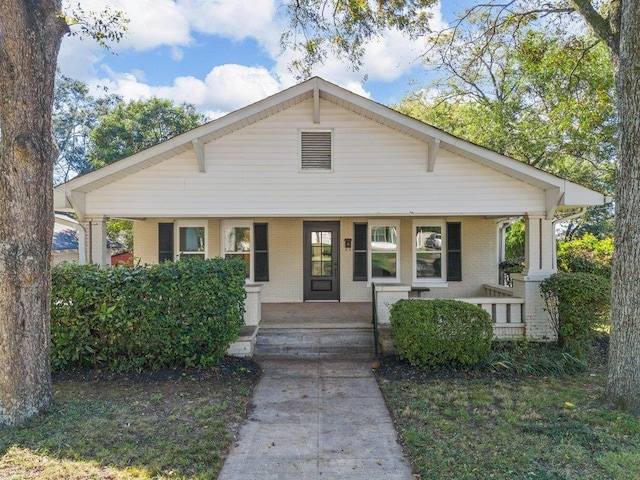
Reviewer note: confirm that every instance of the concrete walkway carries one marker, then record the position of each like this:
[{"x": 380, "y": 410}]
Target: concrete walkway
[{"x": 317, "y": 419}]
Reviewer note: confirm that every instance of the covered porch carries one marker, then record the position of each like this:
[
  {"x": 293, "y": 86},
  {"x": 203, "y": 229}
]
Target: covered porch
[{"x": 329, "y": 329}]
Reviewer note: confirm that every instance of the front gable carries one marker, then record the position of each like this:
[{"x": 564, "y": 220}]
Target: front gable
[
  {"x": 257, "y": 171},
  {"x": 249, "y": 163}
]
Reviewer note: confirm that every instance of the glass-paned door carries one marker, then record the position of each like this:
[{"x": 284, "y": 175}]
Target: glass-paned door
[{"x": 321, "y": 260}]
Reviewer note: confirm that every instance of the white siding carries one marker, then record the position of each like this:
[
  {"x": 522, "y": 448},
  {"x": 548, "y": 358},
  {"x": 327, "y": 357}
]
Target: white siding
[{"x": 255, "y": 172}]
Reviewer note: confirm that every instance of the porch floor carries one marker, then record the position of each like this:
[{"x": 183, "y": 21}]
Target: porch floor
[{"x": 316, "y": 315}]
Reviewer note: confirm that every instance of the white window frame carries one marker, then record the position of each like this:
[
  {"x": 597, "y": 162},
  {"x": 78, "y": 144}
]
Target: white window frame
[
  {"x": 238, "y": 224},
  {"x": 429, "y": 282},
  {"x": 371, "y": 224},
  {"x": 314, "y": 170},
  {"x": 186, "y": 224}
]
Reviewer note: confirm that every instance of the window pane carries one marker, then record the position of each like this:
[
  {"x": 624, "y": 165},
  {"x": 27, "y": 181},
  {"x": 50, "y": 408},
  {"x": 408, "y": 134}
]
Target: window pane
[
  {"x": 428, "y": 251},
  {"x": 428, "y": 265},
  {"x": 383, "y": 264},
  {"x": 321, "y": 254},
  {"x": 237, "y": 239},
  {"x": 191, "y": 239},
  {"x": 383, "y": 239},
  {"x": 384, "y": 245}
]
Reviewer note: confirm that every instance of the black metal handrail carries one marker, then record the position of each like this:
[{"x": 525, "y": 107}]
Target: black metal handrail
[{"x": 374, "y": 317}]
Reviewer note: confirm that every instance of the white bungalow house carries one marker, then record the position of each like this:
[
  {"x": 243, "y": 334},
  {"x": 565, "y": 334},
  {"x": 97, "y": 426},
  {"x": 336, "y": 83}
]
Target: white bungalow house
[{"x": 324, "y": 194}]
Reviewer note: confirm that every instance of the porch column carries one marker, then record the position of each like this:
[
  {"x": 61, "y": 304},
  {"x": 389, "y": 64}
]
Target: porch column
[
  {"x": 539, "y": 264},
  {"x": 539, "y": 246},
  {"x": 96, "y": 229}
]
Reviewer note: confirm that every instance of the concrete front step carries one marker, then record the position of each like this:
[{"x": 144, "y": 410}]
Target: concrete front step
[{"x": 314, "y": 342}]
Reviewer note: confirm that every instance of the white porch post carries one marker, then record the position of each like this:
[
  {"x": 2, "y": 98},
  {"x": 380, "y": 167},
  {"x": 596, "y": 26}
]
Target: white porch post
[
  {"x": 540, "y": 264},
  {"x": 96, "y": 229}
]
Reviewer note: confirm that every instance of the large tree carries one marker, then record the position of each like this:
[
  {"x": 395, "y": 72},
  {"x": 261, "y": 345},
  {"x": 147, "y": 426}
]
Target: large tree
[
  {"x": 543, "y": 100},
  {"x": 31, "y": 32},
  {"x": 617, "y": 24},
  {"x": 75, "y": 113},
  {"x": 132, "y": 127}
]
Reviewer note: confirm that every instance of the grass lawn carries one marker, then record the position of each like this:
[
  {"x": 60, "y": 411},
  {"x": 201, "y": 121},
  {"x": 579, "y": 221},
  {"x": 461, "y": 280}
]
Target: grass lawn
[
  {"x": 479, "y": 425},
  {"x": 171, "y": 424}
]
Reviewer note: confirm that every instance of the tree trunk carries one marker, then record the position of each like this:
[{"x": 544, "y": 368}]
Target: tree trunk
[
  {"x": 623, "y": 384},
  {"x": 30, "y": 35}
]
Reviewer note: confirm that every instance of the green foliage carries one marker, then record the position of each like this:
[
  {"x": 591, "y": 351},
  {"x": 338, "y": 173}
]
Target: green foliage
[
  {"x": 532, "y": 358},
  {"x": 543, "y": 100},
  {"x": 577, "y": 303},
  {"x": 105, "y": 27},
  {"x": 514, "y": 240},
  {"x": 586, "y": 255},
  {"x": 121, "y": 231},
  {"x": 434, "y": 333},
  {"x": 345, "y": 28},
  {"x": 75, "y": 114},
  {"x": 137, "y": 125},
  {"x": 126, "y": 318}
]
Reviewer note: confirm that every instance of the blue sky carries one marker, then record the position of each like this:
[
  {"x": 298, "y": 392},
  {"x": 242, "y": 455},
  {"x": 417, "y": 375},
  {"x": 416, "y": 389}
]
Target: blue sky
[{"x": 213, "y": 54}]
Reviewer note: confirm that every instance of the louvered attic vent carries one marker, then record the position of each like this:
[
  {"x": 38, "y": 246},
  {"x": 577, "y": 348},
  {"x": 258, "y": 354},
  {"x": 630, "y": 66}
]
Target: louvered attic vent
[{"x": 316, "y": 150}]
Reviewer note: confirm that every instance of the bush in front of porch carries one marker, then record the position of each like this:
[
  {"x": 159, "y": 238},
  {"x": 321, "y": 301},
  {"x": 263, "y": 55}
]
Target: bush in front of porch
[
  {"x": 174, "y": 314},
  {"x": 577, "y": 303},
  {"x": 434, "y": 333}
]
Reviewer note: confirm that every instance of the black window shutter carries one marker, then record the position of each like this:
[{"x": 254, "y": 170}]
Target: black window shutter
[
  {"x": 360, "y": 252},
  {"x": 454, "y": 252},
  {"x": 165, "y": 242},
  {"x": 261, "y": 252}
]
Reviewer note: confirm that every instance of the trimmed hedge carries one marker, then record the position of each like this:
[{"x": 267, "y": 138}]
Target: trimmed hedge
[
  {"x": 123, "y": 318},
  {"x": 577, "y": 303},
  {"x": 434, "y": 333}
]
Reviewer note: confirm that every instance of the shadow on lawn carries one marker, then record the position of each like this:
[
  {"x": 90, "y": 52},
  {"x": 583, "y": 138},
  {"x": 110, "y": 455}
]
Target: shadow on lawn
[{"x": 167, "y": 424}]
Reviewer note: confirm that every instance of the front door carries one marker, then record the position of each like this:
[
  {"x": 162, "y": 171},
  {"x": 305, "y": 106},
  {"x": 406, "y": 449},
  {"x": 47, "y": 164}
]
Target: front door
[{"x": 321, "y": 261}]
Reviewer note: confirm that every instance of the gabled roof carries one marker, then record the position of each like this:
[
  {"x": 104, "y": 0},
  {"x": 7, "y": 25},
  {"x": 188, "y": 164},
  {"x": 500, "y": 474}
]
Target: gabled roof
[{"x": 559, "y": 192}]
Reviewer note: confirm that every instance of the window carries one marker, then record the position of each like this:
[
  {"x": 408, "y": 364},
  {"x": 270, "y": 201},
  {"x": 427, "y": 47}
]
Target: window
[
  {"x": 248, "y": 241},
  {"x": 237, "y": 242},
  {"x": 428, "y": 260},
  {"x": 316, "y": 150},
  {"x": 192, "y": 239},
  {"x": 384, "y": 254}
]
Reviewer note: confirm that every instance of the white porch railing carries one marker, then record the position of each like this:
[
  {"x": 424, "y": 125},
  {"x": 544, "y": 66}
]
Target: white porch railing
[
  {"x": 506, "y": 313},
  {"x": 497, "y": 290},
  {"x": 499, "y": 302}
]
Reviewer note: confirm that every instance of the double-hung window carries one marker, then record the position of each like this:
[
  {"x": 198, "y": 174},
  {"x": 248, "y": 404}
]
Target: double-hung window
[
  {"x": 192, "y": 238},
  {"x": 384, "y": 251},
  {"x": 237, "y": 241},
  {"x": 429, "y": 251}
]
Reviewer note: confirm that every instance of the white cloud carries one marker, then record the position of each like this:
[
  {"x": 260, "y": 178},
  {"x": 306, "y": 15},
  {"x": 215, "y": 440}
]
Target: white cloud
[
  {"x": 226, "y": 88},
  {"x": 177, "y": 23}
]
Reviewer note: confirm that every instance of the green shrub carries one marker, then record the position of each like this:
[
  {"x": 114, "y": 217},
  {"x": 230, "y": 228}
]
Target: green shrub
[
  {"x": 577, "y": 303},
  {"x": 434, "y": 333},
  {"x": 125, "y": 318},
  {"x": 586, "y": 255}
]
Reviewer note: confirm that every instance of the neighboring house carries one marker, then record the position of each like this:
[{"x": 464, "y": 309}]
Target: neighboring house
[
  {"x": 324, "y": 193},
  {"x": 65, "y": 246},
  {"x": 68, "y": 247}
]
